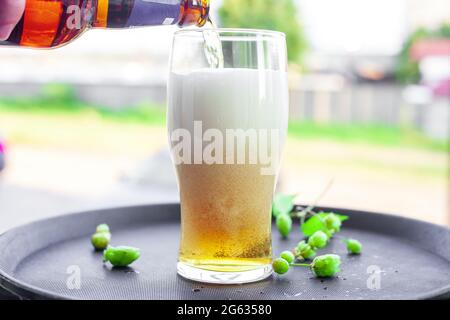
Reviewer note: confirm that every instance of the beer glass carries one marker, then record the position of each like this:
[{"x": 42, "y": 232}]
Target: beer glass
[{"x": 227, "y": 123}]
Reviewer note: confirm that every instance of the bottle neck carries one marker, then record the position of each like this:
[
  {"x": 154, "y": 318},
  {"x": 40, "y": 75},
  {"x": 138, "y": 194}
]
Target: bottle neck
[
  {"x": 101, "y": 18},
  {"x": 134, "y": 13},
  {"x": 194, "y": 12}
]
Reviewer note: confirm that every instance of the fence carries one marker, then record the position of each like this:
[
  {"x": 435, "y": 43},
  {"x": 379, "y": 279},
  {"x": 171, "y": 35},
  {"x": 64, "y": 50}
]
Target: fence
[{"x": 318, "y": 102}]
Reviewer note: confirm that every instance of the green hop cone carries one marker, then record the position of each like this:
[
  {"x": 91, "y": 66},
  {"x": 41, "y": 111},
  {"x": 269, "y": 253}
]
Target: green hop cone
[
  {"x": 102, "y": 228},
  {"x": 100, "y": 241},
  {"x": 333, "y": 222},
  {"x": 284, "y": 224},
  {"x": 280, "y": 266},
  {"x": 329, "y": 233},
  {"x": 354, "y": 246},
  {"x": 326, "y": 265},
  {"x": 318, "y": 240},
  {"x": 121, "y": 256},
  {"x": 304, "y": 250},
  {"x": 288, "y": 256},
  {"x": 282, "y": 204}
]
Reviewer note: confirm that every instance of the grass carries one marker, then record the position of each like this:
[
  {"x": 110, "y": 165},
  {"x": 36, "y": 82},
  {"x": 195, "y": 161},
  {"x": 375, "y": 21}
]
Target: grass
[
  {"x": 59, "y": 101},
  {"x": 372, "y": 134}
]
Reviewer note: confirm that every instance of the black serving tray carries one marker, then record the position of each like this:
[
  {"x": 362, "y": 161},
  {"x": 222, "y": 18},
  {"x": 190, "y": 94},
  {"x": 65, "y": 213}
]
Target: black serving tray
[{"x": 37, "y": 260}]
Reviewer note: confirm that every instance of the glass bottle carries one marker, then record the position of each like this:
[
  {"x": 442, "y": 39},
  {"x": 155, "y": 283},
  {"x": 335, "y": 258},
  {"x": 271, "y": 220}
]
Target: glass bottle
[{"x": 53, "y": 23}]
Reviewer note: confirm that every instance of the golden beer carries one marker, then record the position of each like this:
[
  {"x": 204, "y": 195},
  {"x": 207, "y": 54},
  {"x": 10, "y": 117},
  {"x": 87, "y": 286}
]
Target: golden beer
[{"x": 226, "y": 216}]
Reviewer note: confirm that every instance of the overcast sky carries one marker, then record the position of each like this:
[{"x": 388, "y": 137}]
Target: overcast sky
[{"x": 356, "y": 26}]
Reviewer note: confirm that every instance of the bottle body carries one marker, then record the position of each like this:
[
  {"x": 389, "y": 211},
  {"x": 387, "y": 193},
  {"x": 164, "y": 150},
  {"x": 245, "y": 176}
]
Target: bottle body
[{"x": 52, "y": 23}]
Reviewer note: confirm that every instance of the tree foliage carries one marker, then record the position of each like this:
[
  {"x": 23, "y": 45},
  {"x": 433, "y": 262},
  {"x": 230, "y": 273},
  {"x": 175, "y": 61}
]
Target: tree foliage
[
  {"x": 407, "y": 70},
  {"x": 278, "y": 15}
]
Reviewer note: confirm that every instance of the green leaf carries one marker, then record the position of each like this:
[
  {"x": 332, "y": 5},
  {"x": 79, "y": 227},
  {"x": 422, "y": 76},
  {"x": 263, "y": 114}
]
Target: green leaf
[
  {"x": 312, "y": 225},
  {"x": 340, "y": 216},
  {"x": 282, "y": 204},
  {"x": 315, "y": 223}
]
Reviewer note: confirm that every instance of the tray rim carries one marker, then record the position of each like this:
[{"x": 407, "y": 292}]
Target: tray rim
[{"x": 24, "y": 291}]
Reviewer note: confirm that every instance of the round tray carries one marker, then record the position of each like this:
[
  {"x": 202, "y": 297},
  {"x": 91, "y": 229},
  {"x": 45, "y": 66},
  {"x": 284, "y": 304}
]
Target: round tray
[{"x": 402, "y": 259}]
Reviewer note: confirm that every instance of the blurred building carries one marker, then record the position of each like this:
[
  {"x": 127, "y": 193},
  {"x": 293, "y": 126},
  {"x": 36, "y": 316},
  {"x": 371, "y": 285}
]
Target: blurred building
[
  {"x": 107, "y": 67},
  {"x": 353, "y": 51}
]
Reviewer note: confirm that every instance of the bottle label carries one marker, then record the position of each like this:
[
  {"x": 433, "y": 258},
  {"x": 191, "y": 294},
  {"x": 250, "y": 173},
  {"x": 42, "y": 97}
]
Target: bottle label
[{"x": 154, "y": 12}]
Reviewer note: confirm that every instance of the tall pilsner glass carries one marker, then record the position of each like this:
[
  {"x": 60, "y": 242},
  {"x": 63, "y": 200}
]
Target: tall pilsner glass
[{"x": 227, "y": 126}]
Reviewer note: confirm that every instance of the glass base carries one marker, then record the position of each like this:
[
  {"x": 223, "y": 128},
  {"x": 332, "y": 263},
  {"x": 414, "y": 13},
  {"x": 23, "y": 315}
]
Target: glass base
[{"x": 236, "y": 277}]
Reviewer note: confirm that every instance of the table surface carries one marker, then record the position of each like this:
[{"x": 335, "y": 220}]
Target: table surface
[{"x": 410, "y": 259}]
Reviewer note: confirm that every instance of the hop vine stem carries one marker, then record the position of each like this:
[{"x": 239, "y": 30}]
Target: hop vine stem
[
  {"x": 300, "y": 264},
  {"x": 309, "y": 210}
]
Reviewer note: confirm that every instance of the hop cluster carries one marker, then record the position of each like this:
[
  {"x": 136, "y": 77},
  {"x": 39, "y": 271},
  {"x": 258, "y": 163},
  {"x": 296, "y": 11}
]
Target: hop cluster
[
  {"x": 307, "y": 250},
  {"x": 320, "y": 228},
  {"x": 322, "y": 266},
  {"x": 101, "y": 238},
  {"x": 332, "y": 223},
  {"x": 326, "y": 266}
]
